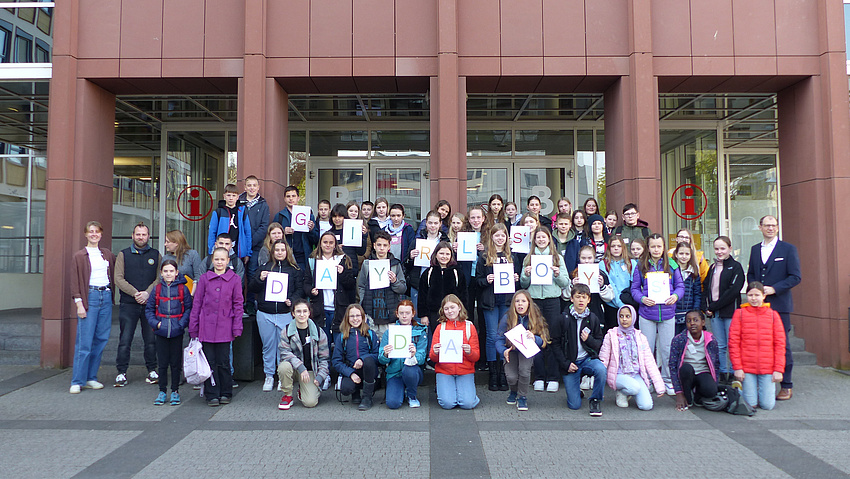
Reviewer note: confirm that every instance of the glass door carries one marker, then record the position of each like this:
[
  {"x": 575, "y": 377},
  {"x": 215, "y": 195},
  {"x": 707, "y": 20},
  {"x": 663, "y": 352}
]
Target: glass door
[
  {"x": 405, "y": 185},
  {"x": 338, "y": 181},
  {"x": 753, "y": 192},
  {"x": 549, "y": 181}
]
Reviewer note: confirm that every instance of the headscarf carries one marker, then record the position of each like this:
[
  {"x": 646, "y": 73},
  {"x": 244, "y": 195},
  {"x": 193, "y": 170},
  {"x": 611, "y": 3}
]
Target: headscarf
[{"x": 628, "y": 344}]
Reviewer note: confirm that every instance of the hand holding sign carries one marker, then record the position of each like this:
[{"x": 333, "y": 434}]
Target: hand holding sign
[
  {"x": 379, "y": 273},
  {"x": 503, "y": 278},
  {"x": 520, "y": 239},
  {"x": 300, "y": 218},
  {"x": 352, "y": 233},
  {"x": 399, "y": 337},
  {"x": 541, "y": 269},
  {"x": 451, "y": 346},
  {"x": 425, "y": 248},
  {"x": 467, "y": 242},
  {"x": 277, "y": 285},
  {"x": 326, "y": 274},
  {"x": 518, "y": 336},
  {"x": 589, "y": 274}
]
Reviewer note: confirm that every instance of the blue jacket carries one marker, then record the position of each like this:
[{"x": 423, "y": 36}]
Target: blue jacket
[
  {"x": 659, "y": 312},
  {"x": 572, "y": 249},
  {"x": 356, "y": 347},
  {"x": 258, "y": 215},
  {"x": 220, "y": 223},
  {"x": 692, "y": 297},
  {"x": 620, "y": 278},
  {"x": 677, "y": 356},
  {"x": 782, "y": 272},
  {"x": 301, "y": 243},
  {"x": 501, "y": 340},
  {"x": 173, "y": 315},
  {"x": 419, "y": 337}
]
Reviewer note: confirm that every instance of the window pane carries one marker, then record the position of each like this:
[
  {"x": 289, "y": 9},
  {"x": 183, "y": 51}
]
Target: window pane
[
  {"x": 23, "y": 50},
  {"x": 544, "y": 142},
  {"x": 545, "y": 183},
  {"x": 401, "y": 143},
  {"x": 341, "y": 185},
  {"x": 403, "y": 186},
  {"x": 488, "y": 142},
  {"x": 753, "y": 193},
  {"x": 339, "y": 143},
  {"x": 481, "y": 183}
]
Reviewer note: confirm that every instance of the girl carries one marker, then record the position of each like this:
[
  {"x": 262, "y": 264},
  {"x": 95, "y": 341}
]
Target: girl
[
  {"x": 188, "y": 260},
  {"x": 631, "y": 367},
  {"x": 606, "y": 292},
  {"x": 693, "y": 362},
  {"x": 591, "y": 207},
  {"x": 597, "y": 237},
  {"x": 516, "y": 366},
  {"x": 402, "y": 233},
  {"x": 564, "y": 206},
  {"x": 329, "y": 305},
  {"x": 91, "y": 287},
  {"x": 404, "y": 375},
  {"x": 610, "y": 222},
  {"x": 721, "y": 294},
  {"x": 216, "y": 319},
  {"x": 444, "y": 210},
  {"x": 579, "y": 225},
  {"x": 431, "y": 232},
  {"x": 636, "y": 248},
  {"x": 457, "y": 224},
  {"x": 498, "y": 250},
  {"x": 456, "y": 381},
  {"x": 355, "y": 357},
  {"x": 684, "y": 255},
  {"x": 580, "y": 239},
  {"x": 380, "y": 218},
  {"x": 338, "y": 215},
  {"x": 274, "y": 316},
  {"x": 495, "y": 211},
  {"x": 353, "y": 211},
  {"x": 274, "y": 233},
  {"x": 757, "y": 348},
  {"x": 439, "y": 280},
  {"x": 685, "y": 236},
  {"x": 547, "y": 297},
  {"x": 512, "y": 215},
  {"x": 167, "y": 312},
  {"x": 656, "y": 320},
  {"x": 475, "y": 218},
  {"x": 303, "y": 352},
  {"x": 618, "y": 267},
  {"x": 533, "y": 205}
]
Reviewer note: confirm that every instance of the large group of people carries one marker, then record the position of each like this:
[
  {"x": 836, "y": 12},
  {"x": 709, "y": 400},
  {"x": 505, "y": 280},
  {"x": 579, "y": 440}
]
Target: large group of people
[{"x": 575, "y": 299}]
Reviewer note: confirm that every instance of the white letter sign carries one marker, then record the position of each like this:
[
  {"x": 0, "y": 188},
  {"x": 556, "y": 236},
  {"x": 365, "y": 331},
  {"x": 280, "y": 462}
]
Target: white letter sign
[
  {"x": 658, "y": 286},
  {"x": 466, "y": 246},
  {"x": 541, "y": 269},
  {"x": 398, "y": 336},
  {"x": 517, "y": 336},
  {"x": 277, "y": 285},
  {"x": 589, "y": 274},
  {"x": 352, "y": 233},
  {"x": 503, "y": 278},
  {"x": 326, "y": 274},
  {"x": 379, "y": 276},
  {"x": 520, "y": 239},
  {"x": 451, "y": 346},
  {"x": 300, "y": 218},
  {"x": 426, "y": 248}
]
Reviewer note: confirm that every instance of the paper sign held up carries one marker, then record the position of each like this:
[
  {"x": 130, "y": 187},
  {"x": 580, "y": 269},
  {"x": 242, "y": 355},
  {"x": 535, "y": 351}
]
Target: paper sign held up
[
  {"x": 277, "y": 285},
  {"x": 589, "y": 274},
  {"x": 518, "y": 337},
  {"x": 451, "y": 346},
  {"x": 379, "y": 276},
  {"x": 300, "y": 218},
  {"x": 426, "y": 248},
  {"x": 399, "y": 337},
  {"x": 326, "y": 274},
  {"x": 503, "y": 278},
  {"x": 352, "y": 233},
  {"x": 658, "y": 286},
  {"x": 520, "y": 239},
  {"x": 467, "y": 242},
  {"x": 541, "y": 269},
  {"x": 324, "y": 226}
]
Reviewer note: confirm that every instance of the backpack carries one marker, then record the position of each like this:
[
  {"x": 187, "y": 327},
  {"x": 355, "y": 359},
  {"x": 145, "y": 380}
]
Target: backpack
[
  {"x": 195, "y": 365},
  {"x": 468, "y": 330},
  {"x": 159, "y": 297}
]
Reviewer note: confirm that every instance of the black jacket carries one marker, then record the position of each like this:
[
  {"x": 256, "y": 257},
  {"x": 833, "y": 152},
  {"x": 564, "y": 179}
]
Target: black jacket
[
  {"x": 486, "y": 297},
  {"x": 564, "y": 333},
  {"x": 731, "y": 281},
  {"x": 414, "y": 272},
  {"x": 435, "y": 284},
  {"x": 295, "y": 289},
  {"x": 346, "y": 292}
]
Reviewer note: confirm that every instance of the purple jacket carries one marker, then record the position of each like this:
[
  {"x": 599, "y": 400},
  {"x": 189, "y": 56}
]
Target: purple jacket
[
  {"x": 217, "y": 308},
  {"x": 659, "y": 312}
]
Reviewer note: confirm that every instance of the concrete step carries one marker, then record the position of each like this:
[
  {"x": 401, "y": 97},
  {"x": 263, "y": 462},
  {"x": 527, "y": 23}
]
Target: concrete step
[
  {"x": 25, "y": 358},
  {"x": 20, "y": 343},
  {"x": 23, "y": 328},
  {"x": 797, "y": 344},
  {"x": 804, "y": 358}
]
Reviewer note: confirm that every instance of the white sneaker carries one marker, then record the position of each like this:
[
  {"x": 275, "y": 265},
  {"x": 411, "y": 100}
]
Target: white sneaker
[
  {"x": 586, "y": 383},
  {"x": 153, "y": 378},
  {"x": 93, "y": 385},
  {"x": 120, "y": 380},
  {"x": 75, "y": 389},
  {"x": 268, "y": 383},
  {"x": 538, "y": 385},
  {"x": 327, "y": 383},
  {"x": 279, "y": 386},
  {"x": 622, "y": 399},
  {"x": 552, "y": 387}
]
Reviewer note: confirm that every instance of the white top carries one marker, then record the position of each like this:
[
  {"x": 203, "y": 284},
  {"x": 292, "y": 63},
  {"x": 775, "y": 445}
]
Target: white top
[
  {"x": 581, "y": 352},
  {"x": 99, "y": 268},
  {"x": 328, "y": 295},
  {"x": 767, "y": 249}
]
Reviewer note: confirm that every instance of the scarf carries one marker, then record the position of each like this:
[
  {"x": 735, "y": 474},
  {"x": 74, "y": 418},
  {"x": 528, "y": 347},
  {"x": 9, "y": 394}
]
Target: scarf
[
  {"x": 580, "y": 316},
  {"x": 395, "y": 231},
  {"x": 628, "y": 345}
]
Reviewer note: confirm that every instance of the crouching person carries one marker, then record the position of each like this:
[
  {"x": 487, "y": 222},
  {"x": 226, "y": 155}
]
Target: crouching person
[{"x": 304, "y": 354}]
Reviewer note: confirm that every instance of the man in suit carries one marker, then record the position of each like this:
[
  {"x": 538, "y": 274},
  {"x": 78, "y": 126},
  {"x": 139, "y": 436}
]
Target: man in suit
[{"x": 776, "y": 264}]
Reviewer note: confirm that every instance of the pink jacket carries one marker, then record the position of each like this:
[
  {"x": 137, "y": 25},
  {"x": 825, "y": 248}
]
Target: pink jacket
[
  {"x": 216, "y": 315},
  {"x": 609, "y": 354}
]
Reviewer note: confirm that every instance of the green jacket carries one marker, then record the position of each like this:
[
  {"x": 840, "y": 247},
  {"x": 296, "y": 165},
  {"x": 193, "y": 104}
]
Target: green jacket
[{"x": 538, "y": 291}]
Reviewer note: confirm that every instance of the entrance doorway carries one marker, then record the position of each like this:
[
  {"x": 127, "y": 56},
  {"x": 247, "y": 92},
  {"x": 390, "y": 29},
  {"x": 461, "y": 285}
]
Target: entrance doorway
[{"x": 548, "y": 179}]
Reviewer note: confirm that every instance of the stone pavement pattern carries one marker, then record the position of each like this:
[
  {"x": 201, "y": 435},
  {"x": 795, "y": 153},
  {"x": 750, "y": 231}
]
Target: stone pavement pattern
[{"x": 117, "y": 432}]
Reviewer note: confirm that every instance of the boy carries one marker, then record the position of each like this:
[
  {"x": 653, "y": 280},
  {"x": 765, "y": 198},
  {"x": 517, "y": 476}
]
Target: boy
[
  {"x": 380, "y": 304},
  {"x": 232, "y": 219},
  {"x": 224, "y": 241},
  {"x": 301, "y": 242},
  {"x": 533, "y": 206},
  {"x": 576, "y": 339},
  {"x": 366, "y": 209},
  {"x": 324, "y": 218},
  {"x": 563, "y": 232},
  {"x": 258, "y": 216},
  {"x": 633, "y": 227}
]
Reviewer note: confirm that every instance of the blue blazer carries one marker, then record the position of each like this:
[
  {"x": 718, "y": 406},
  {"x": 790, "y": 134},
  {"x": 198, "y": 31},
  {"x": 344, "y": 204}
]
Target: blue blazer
[{"x": 782, "y": 272}]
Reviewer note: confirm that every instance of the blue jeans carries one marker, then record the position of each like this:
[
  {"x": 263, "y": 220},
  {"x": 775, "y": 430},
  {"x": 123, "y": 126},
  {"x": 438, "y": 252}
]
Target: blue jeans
[
  {"x": 491, "y": 322},
  {"x": 720, "y": 329},
  {"x": 635, "y": 386},
  {"x": 92, "y": 336},
  {"x": 270, "y": 327},
  {"x": 759, "y": 389},
  {"x": 129, "y": 315},
  {"x": 572, "y": 381},
  {"x": 456, "y": 391},
  {"x": 404, "y": 385}
]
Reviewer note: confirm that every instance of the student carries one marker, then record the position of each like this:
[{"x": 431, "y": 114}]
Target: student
[
  {"x": 431, "y": 232},
  {"x": 365, "y": 249},
  {"x": 565, "y": 206},
  {"x": 576, "y": 340},
  {"x": 631, "y": 367},
  {"x": 684, "y": 236},
  {"x": 636, "y": 249},
  {"x": 92, "y": 285},
  {"x": 657, "y": 320},
  {"x": 475, "y": 219},
  {"x": 404, "y": 375},
  {"x": 329, "y": 305},
  {"x": 533, "y": 206},
  {"x": 300, "y": 242},
  {"x": 178, "y": 249},
  {"x": 366, "y": 210},
  {"x": 512, "y": 215},
  {"x": 591, "y": 207},
  {"x": 495, "y": 211},
  {"x": 456, "y": 381},
  {"x": 633, "y": 227},
  {"x": 596, "y": 236},
  {"x": 401, "y": 233},
  {"x": 167, "y": 312},
  {"x": 274, "y": 233},
  {"x": 497, "y": 250},
  {"x": 355, "y": 357},
  {"x": 533, "y": 222},
  {"x": 258, "y": 217},
  {"x": 323, "y": 212},
  {"x": 380, "y": 218},
  {"x": 579, "y": 228},
  {"x": 693, "y": 362},
  {"x": 684, "y": 255},
  {"x": 444, "y": 211},
  {"x": 216, "y": 319},
  {"x": 224, "y": 241},
  {"x": 304, "y": 351},
  {"x": 338, "y": 216},
  {"x": 457, "y": 224},
  {"x": 606, "y": 292},
  {"x": 547, "y": 297},
  {"x": 757, "y": 348},
  {"x": 274, "y": 316},
  {"x": 439, "y": 280},
  {"x": 232, "y": 219},
  {"x": 721, "y": 294},
  {"x": 380, "y": 304},
  {"x": 563, "y": 232},
  {"x": 516, "y": 366},
  {"x": 610, "y": 222},
  {"x": 617, "y": 265}
]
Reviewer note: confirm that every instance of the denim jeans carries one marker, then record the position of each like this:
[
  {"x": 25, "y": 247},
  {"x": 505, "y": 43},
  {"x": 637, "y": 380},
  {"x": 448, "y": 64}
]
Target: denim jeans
[
  {"x": 456, "y": 391},
  {"x": 404, "y": 385},
  {"x": 270, "y": 327},
  {"x": 635, "y": 386},
  {"x": 659, "y": 334},
  {"x": 720, "y": 329},
  {"x": 759, "y": 389},
  {"x": 572, "y": 381},
  {"x": 92, "y": 336},
  {"x": 129, "y": 316},
  {"x": 491, "y": 322}
]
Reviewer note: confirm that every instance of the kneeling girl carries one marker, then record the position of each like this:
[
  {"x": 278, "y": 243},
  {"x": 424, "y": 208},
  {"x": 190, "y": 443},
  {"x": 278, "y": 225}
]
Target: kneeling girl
[{"x": 404, "y": 375}]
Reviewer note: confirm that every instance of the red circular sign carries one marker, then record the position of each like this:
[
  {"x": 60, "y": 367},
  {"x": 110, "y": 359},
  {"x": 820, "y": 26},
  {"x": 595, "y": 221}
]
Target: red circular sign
[
  {"x": 194, "y": 202},
  {"x": 688, "y": 200}
]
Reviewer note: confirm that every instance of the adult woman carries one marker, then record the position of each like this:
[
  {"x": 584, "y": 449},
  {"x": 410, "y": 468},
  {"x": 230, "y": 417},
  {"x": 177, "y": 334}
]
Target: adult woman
[
  {"x": 355, "y": 357},
  {"x": 721, "y": 293},
  {"x": 91, "y": 287},
  {"x": 329, "y": 305},
  {"x": 274, "y": 233},
  {"x": 456, "y": 381},
  {"x": 188, "y": 260},
  {"x": 685, "y": 236}
]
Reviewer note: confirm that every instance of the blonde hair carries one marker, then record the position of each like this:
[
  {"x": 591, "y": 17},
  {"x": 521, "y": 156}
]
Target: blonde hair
[
  {"x": 345, "y": 326},
  {"x": 536, "y": 321},
  {"x": 463, "y": 316},
  {"x": 490, "y": 254}
]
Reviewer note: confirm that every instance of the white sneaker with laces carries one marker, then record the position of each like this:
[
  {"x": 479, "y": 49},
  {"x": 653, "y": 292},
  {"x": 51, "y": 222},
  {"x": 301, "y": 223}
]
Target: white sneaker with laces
[
  {"x": 75, "y": 389},
  {"x": 586, "y": 384},
  {"x": 327, "y": 383},
  {"x": 622, "y": 399},
  {"x": 552, "y": 387},
  {"x": 153, "y": 378},
  {"x": 93, "y": 385},
  {"x": 268, "y": 383},
  {"x": 120, "y": 380},
  {"x": 538, "y": 385}
]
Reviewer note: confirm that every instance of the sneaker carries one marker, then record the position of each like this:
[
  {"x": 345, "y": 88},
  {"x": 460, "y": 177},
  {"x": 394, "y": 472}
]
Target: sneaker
[
  {"x": 153, "y": 378},
  {"x": 213, "y": 402},
  {"x": 586, "y": 383},
  {"x": 224, "y": 400},
  {"x": 552, "y": 387},
  {"x": 737, "y": 385},
  {"x": 196, "y": 387},
  {"x": 279, "y": 386},
  {"x": 175, "y": 399},
  {"x": 268, "y": 384},
  {"x": 75, "y": 389},
  {"x": 622, "y": 399},
  {"x": 538, "y": 385},
  {"x": 413, "y": 402},
  {"x": 511, "y": 398},
  {"x": 234, "y": 385},
  {"x": 120, "y": 380},
  {"x": 93, "y": 385},
  {"x": 670, "y": 390},
  {"x": 595, "y": 407},
  {"x": 522, "y": 403},
  {"x": 429, "y": 367},
  {"x": 160, "y": 399},
  {"x": 327, "y": 384},
  {"x": 285, "y": 403}
]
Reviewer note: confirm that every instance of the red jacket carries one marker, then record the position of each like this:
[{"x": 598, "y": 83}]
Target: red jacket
[
  {"x": 757, "y": 340},
  {"x": 469, "y": 359}
]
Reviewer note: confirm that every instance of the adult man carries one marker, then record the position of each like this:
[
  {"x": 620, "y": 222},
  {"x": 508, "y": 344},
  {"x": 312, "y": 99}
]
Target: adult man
[
  {"x": 258, "y": 217},
  {"x": 633, "y": 227},
  {"x": 301, "y": 242},
  {"x": 135, "y": 275},
  {"x": 776, "y": 264}
]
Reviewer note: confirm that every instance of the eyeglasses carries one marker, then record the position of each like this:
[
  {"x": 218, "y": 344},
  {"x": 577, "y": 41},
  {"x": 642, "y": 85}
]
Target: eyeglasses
[
  {"x": 683, "y": 237},
  {"x": 632, "y": 213}
]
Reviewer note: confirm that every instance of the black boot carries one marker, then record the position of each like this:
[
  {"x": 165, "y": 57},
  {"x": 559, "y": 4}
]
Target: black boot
[
  {"x": 503, "y": 381},
  {"x": 355, "y": 397},
  {"x": 494, "y": 376},
  {"x": 368, "y": 392}
]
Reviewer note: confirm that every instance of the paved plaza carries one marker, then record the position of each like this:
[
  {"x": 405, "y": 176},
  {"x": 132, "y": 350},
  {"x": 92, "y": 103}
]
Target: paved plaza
[{"x": 117, "y": 432}]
